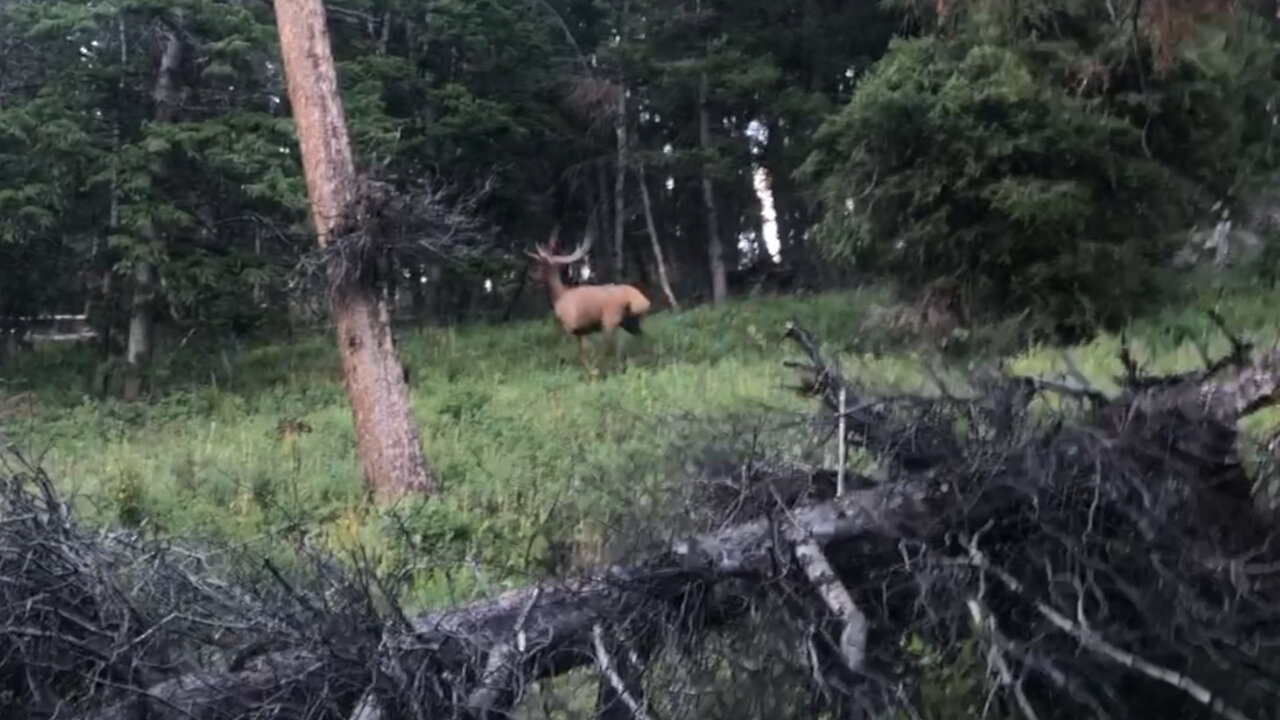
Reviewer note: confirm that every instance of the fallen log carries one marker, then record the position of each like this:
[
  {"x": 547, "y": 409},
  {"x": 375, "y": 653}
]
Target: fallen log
[{"x": 542, "y": 630}]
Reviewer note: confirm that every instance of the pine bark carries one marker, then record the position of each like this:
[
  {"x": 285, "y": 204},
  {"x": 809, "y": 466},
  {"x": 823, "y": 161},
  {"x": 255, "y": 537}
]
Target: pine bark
[
  {"x": 387, "y": 437},
  {"x": 620, "y": 182},
  {"x": 715, "y": 247},
  {"x": 141, "y": 329},
  {"x": 604, "y": 267}
]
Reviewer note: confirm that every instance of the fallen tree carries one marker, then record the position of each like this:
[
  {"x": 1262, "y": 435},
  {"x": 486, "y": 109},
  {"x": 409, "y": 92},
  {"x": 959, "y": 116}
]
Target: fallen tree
[{"x": 1110, "y": 562}]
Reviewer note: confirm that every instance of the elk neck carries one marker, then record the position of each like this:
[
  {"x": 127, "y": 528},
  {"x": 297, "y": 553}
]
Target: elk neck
[{"x": 555, "y": 285}]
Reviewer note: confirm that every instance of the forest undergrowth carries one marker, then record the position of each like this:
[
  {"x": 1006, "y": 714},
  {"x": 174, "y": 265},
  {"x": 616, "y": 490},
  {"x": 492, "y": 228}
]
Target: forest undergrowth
[{"x": 251, "y": 448}]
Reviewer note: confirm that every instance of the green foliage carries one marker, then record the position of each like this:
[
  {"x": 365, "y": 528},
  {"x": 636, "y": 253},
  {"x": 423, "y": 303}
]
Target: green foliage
[
  {"x": 1034, "y": 159},
  {"x": 90, "y": 180},
  {"x": 464, "y": 92}
]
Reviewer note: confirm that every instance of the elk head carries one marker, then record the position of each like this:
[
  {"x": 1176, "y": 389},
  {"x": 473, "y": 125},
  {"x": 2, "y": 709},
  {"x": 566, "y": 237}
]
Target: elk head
[{"x": 546, "y": 263}]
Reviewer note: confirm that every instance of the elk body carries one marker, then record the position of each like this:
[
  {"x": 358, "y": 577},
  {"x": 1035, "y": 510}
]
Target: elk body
[{"x": 587, "y": 309}]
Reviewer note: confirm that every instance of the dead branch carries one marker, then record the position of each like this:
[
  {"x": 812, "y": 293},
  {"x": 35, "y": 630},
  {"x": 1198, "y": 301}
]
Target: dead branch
[
  {"x": 1093, "y": 641},
  {"x": 609, "y": 670},
  {"x": 395, "y": 224}
]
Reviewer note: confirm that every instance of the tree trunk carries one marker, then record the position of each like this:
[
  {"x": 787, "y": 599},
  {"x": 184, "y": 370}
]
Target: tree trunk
[
  {"x": 259, "y": 288},
  {"x": 514, "y": 300},
  {"x": 141, "y": 329},
  {"x": 715, "y": 249},
  {"x": 620, "y": 161},
  {"x": 418, "y": 295},
  {"x": 620, "y": 181},
  {"x": 100, "y": 314},
  {"x": 604, "y": 265},
  {"x": 439, "y": 301},
  {"x": 387, "y": 438},
  {"x": 142, "y": 316},
  {"x": 107, "y": 323},
  {"x": 653, "y": 240}
]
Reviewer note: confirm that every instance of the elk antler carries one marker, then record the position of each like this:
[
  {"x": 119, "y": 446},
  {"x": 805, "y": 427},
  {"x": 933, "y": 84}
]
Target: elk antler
[
  {"x": 546, "y": 254},
  {"x": 542, "y": 252}
]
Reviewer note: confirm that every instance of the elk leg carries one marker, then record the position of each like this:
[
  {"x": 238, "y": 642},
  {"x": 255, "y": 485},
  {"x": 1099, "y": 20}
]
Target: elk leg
[
  {"x": 631, "y": 324},
  {"x": 611, "y": 337},
  {"x": 582, "y": 351}
]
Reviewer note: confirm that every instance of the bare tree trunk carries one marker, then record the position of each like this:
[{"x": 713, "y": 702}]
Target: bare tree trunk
[
  {"x": 620, "y": 181},
  {"x": 100, "y": 302},
  {"x": 387, "y": 438},
  {"x": 439, "y": 297},
  {"x": 516, "y": 294},
  {"x": 715, "y": 248},
  {"x": 418, "y": 295},
  {"x": 605, "y": 266},
  {"x": 653, "y": 240},
  {"x": 142, "y": 316},
  {"x": 107, "y": 324},
  {"x": 141, "y": 328},
  {"x": 620, "y": 164},
  {"x": 385, "y": 38}
]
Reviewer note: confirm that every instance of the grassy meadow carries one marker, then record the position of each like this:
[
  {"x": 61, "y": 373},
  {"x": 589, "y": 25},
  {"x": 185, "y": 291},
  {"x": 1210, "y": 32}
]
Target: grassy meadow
[{"x": 535, "y": 459}]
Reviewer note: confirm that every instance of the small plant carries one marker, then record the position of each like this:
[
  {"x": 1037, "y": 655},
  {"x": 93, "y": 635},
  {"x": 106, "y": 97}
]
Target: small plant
[
  {"x": 951, "y": 685},
  {"x": 128, "y": 497}
]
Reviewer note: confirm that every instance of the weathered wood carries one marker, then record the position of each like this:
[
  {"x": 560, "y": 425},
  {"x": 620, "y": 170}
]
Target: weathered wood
[{"x": 663, "y": 278}]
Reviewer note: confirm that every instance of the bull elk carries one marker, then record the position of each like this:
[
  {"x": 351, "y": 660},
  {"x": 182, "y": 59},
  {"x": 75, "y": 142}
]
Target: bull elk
[{"x": 586, "y": 309}]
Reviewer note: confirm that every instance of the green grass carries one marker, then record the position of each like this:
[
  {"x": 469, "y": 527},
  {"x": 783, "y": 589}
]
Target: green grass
[{"x": 527, "y": 449}]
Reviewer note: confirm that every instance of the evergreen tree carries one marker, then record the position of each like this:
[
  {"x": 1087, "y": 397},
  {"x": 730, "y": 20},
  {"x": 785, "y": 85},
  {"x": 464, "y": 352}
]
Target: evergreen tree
[{"x": 1044, "y": 155}]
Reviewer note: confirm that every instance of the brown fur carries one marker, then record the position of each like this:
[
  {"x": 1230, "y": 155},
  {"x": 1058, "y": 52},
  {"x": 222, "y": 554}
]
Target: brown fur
[{"x": 604, "y": 307}]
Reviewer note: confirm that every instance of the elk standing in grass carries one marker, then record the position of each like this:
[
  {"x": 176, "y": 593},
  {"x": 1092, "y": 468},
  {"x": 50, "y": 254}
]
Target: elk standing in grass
[{"x": 587, "y": 309}]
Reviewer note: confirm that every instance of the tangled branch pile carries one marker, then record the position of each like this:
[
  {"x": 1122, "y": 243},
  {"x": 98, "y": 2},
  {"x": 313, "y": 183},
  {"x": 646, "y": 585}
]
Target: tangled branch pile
[{"x": 1108, "y": 562}]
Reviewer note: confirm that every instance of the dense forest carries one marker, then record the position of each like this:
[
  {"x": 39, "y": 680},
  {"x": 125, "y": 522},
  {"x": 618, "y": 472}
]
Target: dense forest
[{"x": 1046, "y": 152}]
